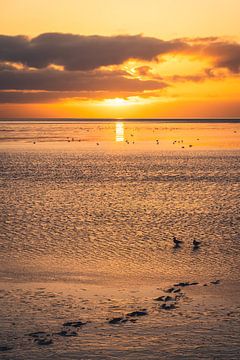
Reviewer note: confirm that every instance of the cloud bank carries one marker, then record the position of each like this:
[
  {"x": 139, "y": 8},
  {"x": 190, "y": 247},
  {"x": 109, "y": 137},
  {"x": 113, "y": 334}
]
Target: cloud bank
[
  {"x": 26, "y": 64},
  {"x": 76, "y": 52}
]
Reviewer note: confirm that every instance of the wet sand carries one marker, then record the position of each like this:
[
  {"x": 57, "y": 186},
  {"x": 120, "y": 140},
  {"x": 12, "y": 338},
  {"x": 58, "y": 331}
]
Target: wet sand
[
  {"x": 88, "y": 266},
  {"x": 69, "y": 321}
]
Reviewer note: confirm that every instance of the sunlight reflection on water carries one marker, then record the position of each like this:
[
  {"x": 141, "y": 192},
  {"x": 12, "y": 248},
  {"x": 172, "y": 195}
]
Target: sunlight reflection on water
[{"x": 119, "y": 131}]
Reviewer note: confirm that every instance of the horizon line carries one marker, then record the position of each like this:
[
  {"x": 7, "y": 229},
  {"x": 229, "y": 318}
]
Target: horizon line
[{"x": 177, "y": 119}]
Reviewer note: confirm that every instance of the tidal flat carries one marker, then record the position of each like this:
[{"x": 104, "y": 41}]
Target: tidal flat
[{"x": 89, "y": 269}]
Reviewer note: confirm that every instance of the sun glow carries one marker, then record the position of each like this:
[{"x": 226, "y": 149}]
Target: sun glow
[
  {"x": 122, "y": 102},
  {"x": 116, "y": 102}
]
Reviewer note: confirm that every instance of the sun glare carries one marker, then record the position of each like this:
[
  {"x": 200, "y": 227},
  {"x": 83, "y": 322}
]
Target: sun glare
[
  {"x": 116, "y": 102},
  {"x": 119, "y": 102}
]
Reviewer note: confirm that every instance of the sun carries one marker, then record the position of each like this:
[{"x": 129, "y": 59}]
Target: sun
[{"x": 116, "y": 102}]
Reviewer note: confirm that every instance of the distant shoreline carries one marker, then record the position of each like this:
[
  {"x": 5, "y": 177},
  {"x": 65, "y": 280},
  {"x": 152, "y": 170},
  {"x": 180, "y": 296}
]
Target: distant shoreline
[{"x": 102, "y": 120}]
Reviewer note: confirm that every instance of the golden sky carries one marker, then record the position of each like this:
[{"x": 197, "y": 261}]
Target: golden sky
[{"x": 128, "y": 58}]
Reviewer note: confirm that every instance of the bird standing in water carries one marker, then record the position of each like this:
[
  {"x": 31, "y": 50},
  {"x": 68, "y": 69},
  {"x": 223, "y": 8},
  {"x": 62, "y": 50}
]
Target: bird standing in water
[
  {"x": 177, "y": 243},
  {"x": 196, "y": 244}
]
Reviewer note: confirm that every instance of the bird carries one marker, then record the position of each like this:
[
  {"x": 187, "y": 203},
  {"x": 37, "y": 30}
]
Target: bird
[
  {"x": 177, "y": 243},
  {"x": 196, "y": 244}
]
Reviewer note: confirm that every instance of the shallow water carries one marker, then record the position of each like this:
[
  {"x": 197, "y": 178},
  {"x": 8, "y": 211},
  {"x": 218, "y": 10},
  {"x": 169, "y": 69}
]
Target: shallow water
[{"x": 102, "y": 212}]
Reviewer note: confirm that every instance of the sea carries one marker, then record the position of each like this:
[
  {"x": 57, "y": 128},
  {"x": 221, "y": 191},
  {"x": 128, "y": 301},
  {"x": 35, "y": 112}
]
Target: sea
[{"x": 89, "y": 209}]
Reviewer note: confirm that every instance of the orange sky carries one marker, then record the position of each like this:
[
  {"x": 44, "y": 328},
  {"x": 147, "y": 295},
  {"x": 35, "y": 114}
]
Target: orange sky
[{"x": 150, "y": 58}]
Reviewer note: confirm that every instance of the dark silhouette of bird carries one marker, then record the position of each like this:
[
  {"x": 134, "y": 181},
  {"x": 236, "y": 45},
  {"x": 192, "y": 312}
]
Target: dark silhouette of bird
[
  {"x": 196, "y": 244},
  {"x": 177, "y": 243}
]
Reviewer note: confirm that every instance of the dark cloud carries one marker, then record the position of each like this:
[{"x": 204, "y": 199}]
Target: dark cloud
[
  {"x": 44, "y": 97},
  {"x": 21, "y": 97},
  {"x": 222, "y": 54},
  {"x": 187, "y": 78},
  {"x": 76, "y": 52},
  {"x": 207, "y": 39},
  {"x": 54, "y": 80},
  {"x": 12, "y": 45},
  {"x": 205, "y": 75},
  {"x": 226, "y": 55}
]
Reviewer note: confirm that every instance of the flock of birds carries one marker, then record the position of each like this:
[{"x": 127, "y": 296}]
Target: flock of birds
[{"x": 177, "y": 243}]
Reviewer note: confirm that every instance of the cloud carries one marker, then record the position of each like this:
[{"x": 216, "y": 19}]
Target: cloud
[
  {"x": 54, "y": 80},
  {"x": 143, "y": 70},
  {"x": 47, "y": 97},
  {"x": 77, "y": 52},
  {"x": 187, "y": 78},
  {"x": 25, "y": 97},
  {"x": 222, "y": 54},
  {"x": 225, "y": 55}
]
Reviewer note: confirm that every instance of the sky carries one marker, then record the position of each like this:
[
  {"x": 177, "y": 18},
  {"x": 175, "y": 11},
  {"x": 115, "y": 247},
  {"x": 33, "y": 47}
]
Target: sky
[{"x": 116, "y": 59}]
